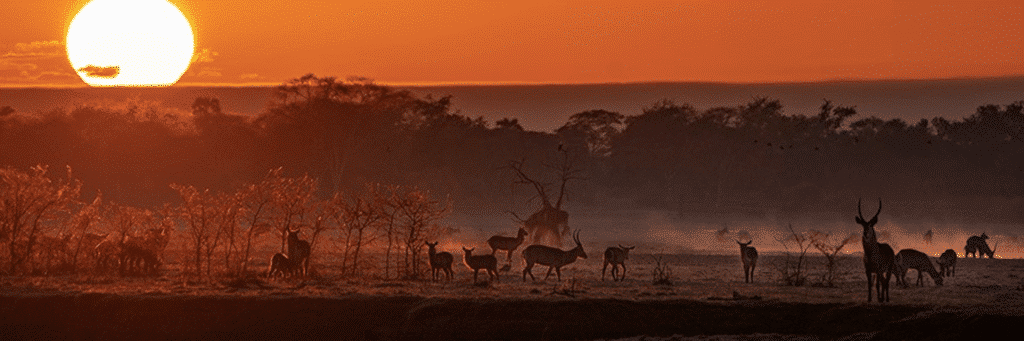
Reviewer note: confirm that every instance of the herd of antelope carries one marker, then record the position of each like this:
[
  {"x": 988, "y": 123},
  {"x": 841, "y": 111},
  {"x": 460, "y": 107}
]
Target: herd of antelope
[
  {"x": 880, "y": 262},
  {"x": 551, "y": 257},
  {"x": 125, "y": 254}
]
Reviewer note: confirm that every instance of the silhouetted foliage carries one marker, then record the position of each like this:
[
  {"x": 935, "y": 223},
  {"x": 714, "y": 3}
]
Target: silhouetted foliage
[{"x": 751, "y": 160}]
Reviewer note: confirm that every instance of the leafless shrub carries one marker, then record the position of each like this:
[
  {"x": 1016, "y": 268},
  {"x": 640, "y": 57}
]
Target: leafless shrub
[
  {"x": 793, "y": 270},
  {"x": 662, "y": 273},
  {"x": 830, "y": 249},
  {"x": 30, "y": 204}
]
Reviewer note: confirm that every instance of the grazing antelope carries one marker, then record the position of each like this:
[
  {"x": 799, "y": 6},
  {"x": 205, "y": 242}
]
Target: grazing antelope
[
  {"x": 486, "y": 262},
  {"x": 947, "y": 263},
  {"x": 975, "y": 244},
  {"x": 298, "y": 252},
  {"x": 552, "y": 257},
  {"x": 616, "y": 256},
  {"x": 908, "y": 259},
  {"x": 507, "y": 243},
  {"x": 878, "y": 257},
  {"x": 280, "y": 264},
  {"x": 439, "y": 261},
  {"x": 748, "y": 255}
]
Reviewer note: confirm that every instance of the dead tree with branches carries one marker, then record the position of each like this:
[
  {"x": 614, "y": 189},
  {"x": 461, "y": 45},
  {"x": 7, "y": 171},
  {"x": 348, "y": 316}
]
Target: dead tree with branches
[{"x": 550, "y": 221}]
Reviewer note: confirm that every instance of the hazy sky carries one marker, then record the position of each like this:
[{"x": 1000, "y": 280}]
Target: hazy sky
[{"x": 552, "y": 41}]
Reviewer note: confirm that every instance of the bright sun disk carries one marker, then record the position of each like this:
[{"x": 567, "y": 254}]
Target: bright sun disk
[{"x": 130, "y": 43}]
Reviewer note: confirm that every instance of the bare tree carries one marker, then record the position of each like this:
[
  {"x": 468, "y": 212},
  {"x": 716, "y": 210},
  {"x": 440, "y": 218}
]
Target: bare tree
[
  {"x": 85, "y": 218},
  {"x": 358, "y": 218},
  {"x": 419, "y": 215},
  {"x": 291, "y": 202},
  {"x": 200, "y": 211},
  {"x": 256, "y": 201},
  {"x": 830, "y": 249},
  {"x": 28, "y": 200},
  {"x": 794, "y": 271},
  {"x": 550, "y": 220}
]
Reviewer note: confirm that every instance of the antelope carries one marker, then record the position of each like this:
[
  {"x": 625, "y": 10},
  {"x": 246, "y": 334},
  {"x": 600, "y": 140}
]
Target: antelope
[
  {"x": 616, "y": 256},
  {"x": 507, "y": 243},
  {"x": 298, "y": 252},
  {"x": 138, "y": 260},
  {"x": 908, "y": 259},
  {"x": 439, "y": 261},
  {"x": 552, "y": 257},
  {"x": 878, "y": 257},
  {"x": 486, "y": 262},
  {"x": 947, "y": 263},
  {"x": 748, "y": 255},
  {"x": 974, "y": 244},
  {"x": 280, "y": 264}
]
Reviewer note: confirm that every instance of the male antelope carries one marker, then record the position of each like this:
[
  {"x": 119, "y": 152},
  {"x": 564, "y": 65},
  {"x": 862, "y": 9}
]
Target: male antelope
[
  {"x": 439, "y": 261},
  {"x": 978, "y": 247},
  {"x": 298, "y": 252},
  {"x": 748, "y": 255},
  {"x": 486, "y": 262},
  {"x": 908, "y": 259},
  {"x": 616, "y": 256},
  {"x": 878, "y": 257},
  {"x": 280, "y": 264},
  {"x": 552, "y": 257},
  {"x": 947, "y": 263},
  {"x": 507, "y": 243}
]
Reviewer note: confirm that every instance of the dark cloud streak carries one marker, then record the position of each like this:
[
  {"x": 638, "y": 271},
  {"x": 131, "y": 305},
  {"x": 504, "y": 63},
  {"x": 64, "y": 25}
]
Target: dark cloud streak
[{"x": 100, "y": 71}]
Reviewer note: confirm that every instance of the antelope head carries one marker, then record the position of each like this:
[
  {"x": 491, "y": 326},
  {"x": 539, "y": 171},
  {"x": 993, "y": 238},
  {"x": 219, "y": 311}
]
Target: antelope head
[{"x": 579, "y": 246}]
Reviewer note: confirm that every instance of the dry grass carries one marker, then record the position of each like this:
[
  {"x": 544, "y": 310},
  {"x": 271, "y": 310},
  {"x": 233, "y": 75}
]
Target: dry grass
[{"x": 982, "y": 286}]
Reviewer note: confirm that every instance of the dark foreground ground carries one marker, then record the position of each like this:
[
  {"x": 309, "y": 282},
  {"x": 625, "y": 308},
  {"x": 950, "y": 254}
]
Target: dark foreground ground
[{"x": 148, "y": 317}]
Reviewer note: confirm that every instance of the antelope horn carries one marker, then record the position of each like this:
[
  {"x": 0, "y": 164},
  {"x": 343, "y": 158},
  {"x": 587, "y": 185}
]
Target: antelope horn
[
  {"x": 879, "y": 208},
  {"x": 859, "y": 213}
]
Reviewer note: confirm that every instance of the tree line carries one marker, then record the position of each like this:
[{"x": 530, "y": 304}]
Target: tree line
[{"x": 751, "y": 160}]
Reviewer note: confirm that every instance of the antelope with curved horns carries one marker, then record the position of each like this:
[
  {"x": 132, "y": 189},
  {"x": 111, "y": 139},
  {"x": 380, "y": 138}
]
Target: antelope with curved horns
[
  {"x": 878, "y": 257},
  {"x": 554, "y": 258}
]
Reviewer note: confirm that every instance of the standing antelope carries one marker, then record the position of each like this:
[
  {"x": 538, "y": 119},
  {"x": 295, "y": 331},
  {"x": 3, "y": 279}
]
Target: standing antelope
[
  {"x": 552, "y": 257},
  {"x": 486, "y": 262},
  {"x": 616, "y": 256},
  {"x": 298, "y": 252},
  {"x": 748, "y": 255},
  {"x": 908, "y": 259},
  {"x": 878, "y": 257},
  {"x": 947, "y": 263},
  {"x": 439, "y": 261},
  {"x": 507, "y": 243}
]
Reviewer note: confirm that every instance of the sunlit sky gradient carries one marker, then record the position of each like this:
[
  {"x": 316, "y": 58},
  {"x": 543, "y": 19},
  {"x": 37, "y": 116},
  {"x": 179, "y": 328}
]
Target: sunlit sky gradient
[{"x": 589, "y": 41}]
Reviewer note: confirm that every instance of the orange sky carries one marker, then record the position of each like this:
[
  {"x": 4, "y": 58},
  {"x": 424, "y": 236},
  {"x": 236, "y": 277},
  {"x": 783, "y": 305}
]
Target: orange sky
[{"x": 552, "y": 41}]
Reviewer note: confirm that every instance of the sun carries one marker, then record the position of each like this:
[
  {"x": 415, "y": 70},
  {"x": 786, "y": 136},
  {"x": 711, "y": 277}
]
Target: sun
[{"x": 130, "y": 43}]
